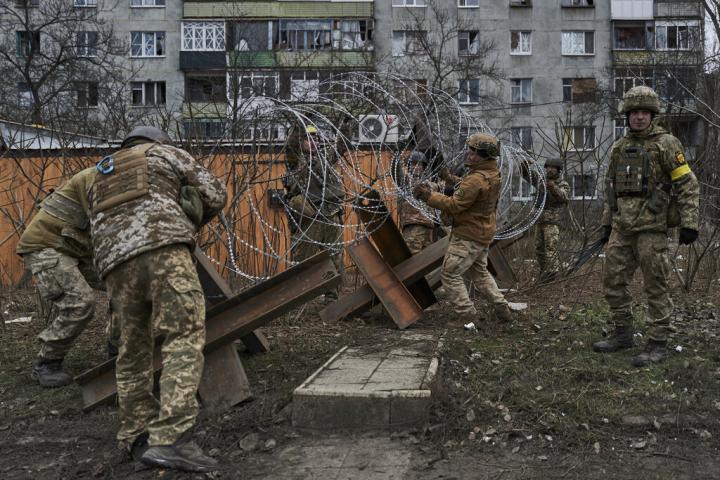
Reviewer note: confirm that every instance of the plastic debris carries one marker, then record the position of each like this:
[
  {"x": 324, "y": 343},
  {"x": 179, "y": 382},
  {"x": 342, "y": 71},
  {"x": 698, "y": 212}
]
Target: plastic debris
[
  {"x": 517, "y": 306},
  {"x": 470, "y": 327},
  {"x": 19, "y": 320}
]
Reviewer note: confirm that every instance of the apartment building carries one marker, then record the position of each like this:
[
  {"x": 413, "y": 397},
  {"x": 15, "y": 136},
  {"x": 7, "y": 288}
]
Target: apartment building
[{"x": 561, "y": 65}]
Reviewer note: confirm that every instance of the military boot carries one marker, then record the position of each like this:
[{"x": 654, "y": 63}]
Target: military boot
[
  {"x": 621, "y": 339},
  {"x": 502, "y": 313},
  {"x": 655, "y": 351},
  {"x": 49, "y": 373},
  {"x": 185, "y": 456}
]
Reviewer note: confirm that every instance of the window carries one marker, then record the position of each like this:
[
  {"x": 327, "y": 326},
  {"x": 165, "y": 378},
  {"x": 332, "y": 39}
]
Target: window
[
  {"x": 87, "y": 44},
  {"x": 27, "y": 43},
  {"x": 520, "y": 43},
  {"x": 87, "y": 94},
  {"x": 468, "y": 42},
  {"x": 147, "y": 3},
  {"x": 203, "y": 36},
  {"x": 147, "y": 44},
  {"x": 578, "y": 43},
  {"x": 582, "y": 187},
  {"x": 25, "y": 95},
  {"x": 204, "y": 129},
  {"x": 577, "y": 3},
  {"x": 205, "y": 89},
  {"x": 469, "y": 91},
  {"x": 407, "y": 43},
  {"x": 627, "y": 79},
  {"x": 631, "y": 37},
  {"x": 85, "y": 3},
  {"x": 521, "y": 3},
  {"x": 305, "y": 35},
  {"x": 27, "y": 3},
  {"x": 257, "y": 84},
  {"x": 352, "y": 34},
  {"x": 408, "y": 3},
  {"x": 522, "y": 136},
  {"x": 147, "y": 94},
  {"x": 522, "y": 190},
  {"x": 579, "y": 90},
  {"x": 621, "y": 127},
  {"x": 674, "y": 36},
  {"x": 305, "y": 86},
  {"x": 579, "y": 138},
  {"x": 521, "y": 90},
  {"x": 468, "y": 3}
]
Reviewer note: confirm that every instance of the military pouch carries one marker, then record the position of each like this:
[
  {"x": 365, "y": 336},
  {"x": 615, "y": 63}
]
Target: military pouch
[
  {"x": 658, "y": 201},
  {"x": 673, "y": 213},
  {"x": 630, "y": 174}
]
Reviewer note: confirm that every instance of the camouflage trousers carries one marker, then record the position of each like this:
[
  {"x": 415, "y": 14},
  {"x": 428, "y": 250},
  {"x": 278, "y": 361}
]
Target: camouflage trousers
[
  {"x": 468, "y": 257},
  {"x": 158, "y": 294},
  {"x": 417, "y": 237},
  {"x": 547, "y": 237},
  {"x": 309, "y": 241},
  {"x": 624, "y": 254},
  {"x": 65, "y": 283}
]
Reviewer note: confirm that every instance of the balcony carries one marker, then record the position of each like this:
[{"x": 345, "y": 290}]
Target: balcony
[
  {"x": 301, "y": 59},
  {"x": 204, "y": 110},
  {"x": 277, "y": 9},
  {"x": 202, "y": 61},
  {"x": 632, "y": 10},
  {"x": 655, "y": 57}
]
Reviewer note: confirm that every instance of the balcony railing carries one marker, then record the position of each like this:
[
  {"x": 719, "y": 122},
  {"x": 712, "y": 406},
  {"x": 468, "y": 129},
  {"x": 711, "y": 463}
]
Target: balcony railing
[{"x": 301, "y": 59}]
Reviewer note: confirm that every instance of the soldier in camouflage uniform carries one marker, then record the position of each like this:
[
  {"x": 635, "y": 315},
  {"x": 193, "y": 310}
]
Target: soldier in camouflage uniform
[
  {"x": 547, "y": 234},
  {"x": 148, "y": 202},
  {"x": 315, "y": 196},
  {"x": 417, "y": 228},
  {"x": 647, "y": 180},
  {"x": 56, "y": 249},
  {"x": 473, "y": 209}
]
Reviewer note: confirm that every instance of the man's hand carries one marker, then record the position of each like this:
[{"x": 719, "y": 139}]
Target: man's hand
[
  {"x": 444, "y": 174},
  {"x": 422, "y": 191},
  {"x": 687, "y": 236},
  {"x": 606, "y": 231}
]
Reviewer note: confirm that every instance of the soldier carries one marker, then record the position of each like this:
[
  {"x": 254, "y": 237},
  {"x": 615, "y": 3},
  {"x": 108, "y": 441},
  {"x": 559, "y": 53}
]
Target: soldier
[
  {"x": 148, "y": 201},
  {"x": 648, "y": 178},
  {"x": 547, "y": 234},
  {"x": 56, "y": 249},
  {"x": 473, "y": 209},
  {"x": 315, "y": 196},
  {"x": 417, "y": 228}
]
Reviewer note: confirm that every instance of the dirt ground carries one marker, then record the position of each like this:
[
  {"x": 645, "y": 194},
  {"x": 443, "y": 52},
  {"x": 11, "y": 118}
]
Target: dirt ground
[{"x": 527, "y": 400}]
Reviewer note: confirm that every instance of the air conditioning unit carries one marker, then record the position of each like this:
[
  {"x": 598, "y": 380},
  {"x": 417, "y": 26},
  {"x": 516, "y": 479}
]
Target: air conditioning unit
[{"x": 378, "y": 129}]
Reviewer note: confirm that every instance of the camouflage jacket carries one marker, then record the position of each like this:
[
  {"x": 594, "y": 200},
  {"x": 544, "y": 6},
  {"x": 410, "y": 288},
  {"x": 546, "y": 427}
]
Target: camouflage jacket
[
  {"x": 668, "y": 171},
  {"x": 62, "y": 221},
  {"x": 558, "y": 194},
  {"x": 318, "y": 182},
  {"x": 154, "y": 219},
  {"x": 474, "y": 204}
]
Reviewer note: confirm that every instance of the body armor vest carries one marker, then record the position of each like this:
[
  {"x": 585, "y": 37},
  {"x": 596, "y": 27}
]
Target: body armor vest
[
  {"x": 632, "y": 173},
  {"x": 126, "y": 181}
]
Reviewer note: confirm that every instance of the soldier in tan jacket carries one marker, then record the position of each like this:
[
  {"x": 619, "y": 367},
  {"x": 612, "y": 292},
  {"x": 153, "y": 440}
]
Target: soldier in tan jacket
[{"x": 473, "y": 210}]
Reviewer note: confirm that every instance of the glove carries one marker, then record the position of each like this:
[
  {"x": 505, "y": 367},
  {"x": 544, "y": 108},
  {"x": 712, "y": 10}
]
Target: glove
[
  {"x": 422, "y": 191},
  {"x": 445, "y": 174},
  {"x": 191, "y": 204},
  {"x": 606, "y": 230},
  {"x": 687, "y": 236}
]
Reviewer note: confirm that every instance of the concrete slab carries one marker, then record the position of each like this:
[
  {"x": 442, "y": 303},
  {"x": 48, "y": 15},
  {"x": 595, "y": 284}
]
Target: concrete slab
[{"x": 367, "y": 387}]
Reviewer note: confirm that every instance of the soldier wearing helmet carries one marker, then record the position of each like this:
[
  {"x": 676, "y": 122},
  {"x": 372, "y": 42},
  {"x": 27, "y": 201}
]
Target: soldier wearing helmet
[
  {"x": 416, "y": 226},
  {"x": 148, "y": 201},
  {"x": 472, "y": 209},
  {"x": 648, "y": 177},
  {"x": 547, "y": 234}
]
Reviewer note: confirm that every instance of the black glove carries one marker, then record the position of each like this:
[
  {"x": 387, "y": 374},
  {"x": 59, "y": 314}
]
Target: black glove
[
  {"x": 606, "y": 231},
  {"x": 687, "y": 236}
]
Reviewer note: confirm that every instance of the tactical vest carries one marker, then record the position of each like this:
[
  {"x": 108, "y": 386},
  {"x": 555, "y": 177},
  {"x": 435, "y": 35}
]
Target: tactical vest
[{"x": 633, "y": 173}]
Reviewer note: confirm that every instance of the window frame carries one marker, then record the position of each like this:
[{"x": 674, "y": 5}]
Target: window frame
[
  {"x": 577, "y": 4},
  {"x": 692, "y": 27},
  {"x": 86, "y": 49},
  {"x": 406, "y": 4},
  {"x": 144, "y": 93},
  {"x": 309, "y": 77},
  {"x": 523, "y": 185},
  {"x": 573, "y": 186},
  {"x": 407, "y": 42},
  {"x": 154, "y": 4},
  {"x": 460, "y": 4},
  {"x": 520, "y": 42},
  {"x": 89, "y": 90},
  {"x": 468, "y": 52},
  {"x": 572, "y": 145},
  {"x": 253, "y": 75},
  {"x": 30, "y": 45},
  {"x": 468, "y": 94},
  {"x": 515, "y": 86},
  {"x": 211, "y": 34},
  {"x": 570, "y": 83},
  {"x": 585, "y": 34},
  {"x": 85, "y": 3},
  {"x": 155, "y": 35},
  {"x": 24, "y": 95},
  {"x": 524, "y": 134}
]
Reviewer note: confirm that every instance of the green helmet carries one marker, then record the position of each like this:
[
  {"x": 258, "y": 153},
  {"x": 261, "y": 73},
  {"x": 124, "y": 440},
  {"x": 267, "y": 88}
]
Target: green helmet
[
  {"x": 484, "y": 141},
  {"x": 640, "y": 98},
  {"x": 554, "y": 162},
  {"x": 152, "y": 134}
]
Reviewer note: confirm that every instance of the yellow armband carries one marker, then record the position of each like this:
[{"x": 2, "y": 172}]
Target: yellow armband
[{"x": 679, "y": 172}]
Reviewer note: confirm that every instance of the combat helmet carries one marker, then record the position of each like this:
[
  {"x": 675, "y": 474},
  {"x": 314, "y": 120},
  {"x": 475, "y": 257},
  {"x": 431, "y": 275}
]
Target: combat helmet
[
  {"x": 484, "y": 141},
  {"x": 153, "y": 134},
  {"x": 640, "y": 98},
  {"x": 554, "y": 162},
  {"x": 417, "y": 157}
]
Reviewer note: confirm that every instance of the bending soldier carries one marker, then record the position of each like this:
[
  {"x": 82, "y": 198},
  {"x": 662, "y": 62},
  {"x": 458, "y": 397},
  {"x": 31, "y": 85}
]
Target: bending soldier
[
  {"x": 417, "y": 229},
  {"x": 647, "y": 180},
  {"x": 473, "y": 210},
  {"x": 148, "y": 202}
]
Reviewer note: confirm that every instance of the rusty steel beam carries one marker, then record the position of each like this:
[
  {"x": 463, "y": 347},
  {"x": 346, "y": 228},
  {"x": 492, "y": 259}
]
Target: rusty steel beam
[
  {"x": 389, "y": 241},
  {"x": 232, "y": 319},
  {"x": 500, "y": 268},
  {"x": 409, "y": 272},
  {"x": 398, "y": 302}
]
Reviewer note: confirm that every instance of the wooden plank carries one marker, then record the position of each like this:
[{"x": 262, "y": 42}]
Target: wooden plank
[{"x": 397, "y": 300}]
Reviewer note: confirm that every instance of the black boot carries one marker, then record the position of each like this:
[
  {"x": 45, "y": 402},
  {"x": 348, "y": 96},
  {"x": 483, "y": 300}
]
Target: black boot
[
  {"x": 621, "y": 339},
  {"x": 655, "y": 351},
  {"x": 186, "y": 456},
  {"x": 138, "y": 449},
  {"x": 49, "y": 373},
  {"x": 112, "y": 350}
]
